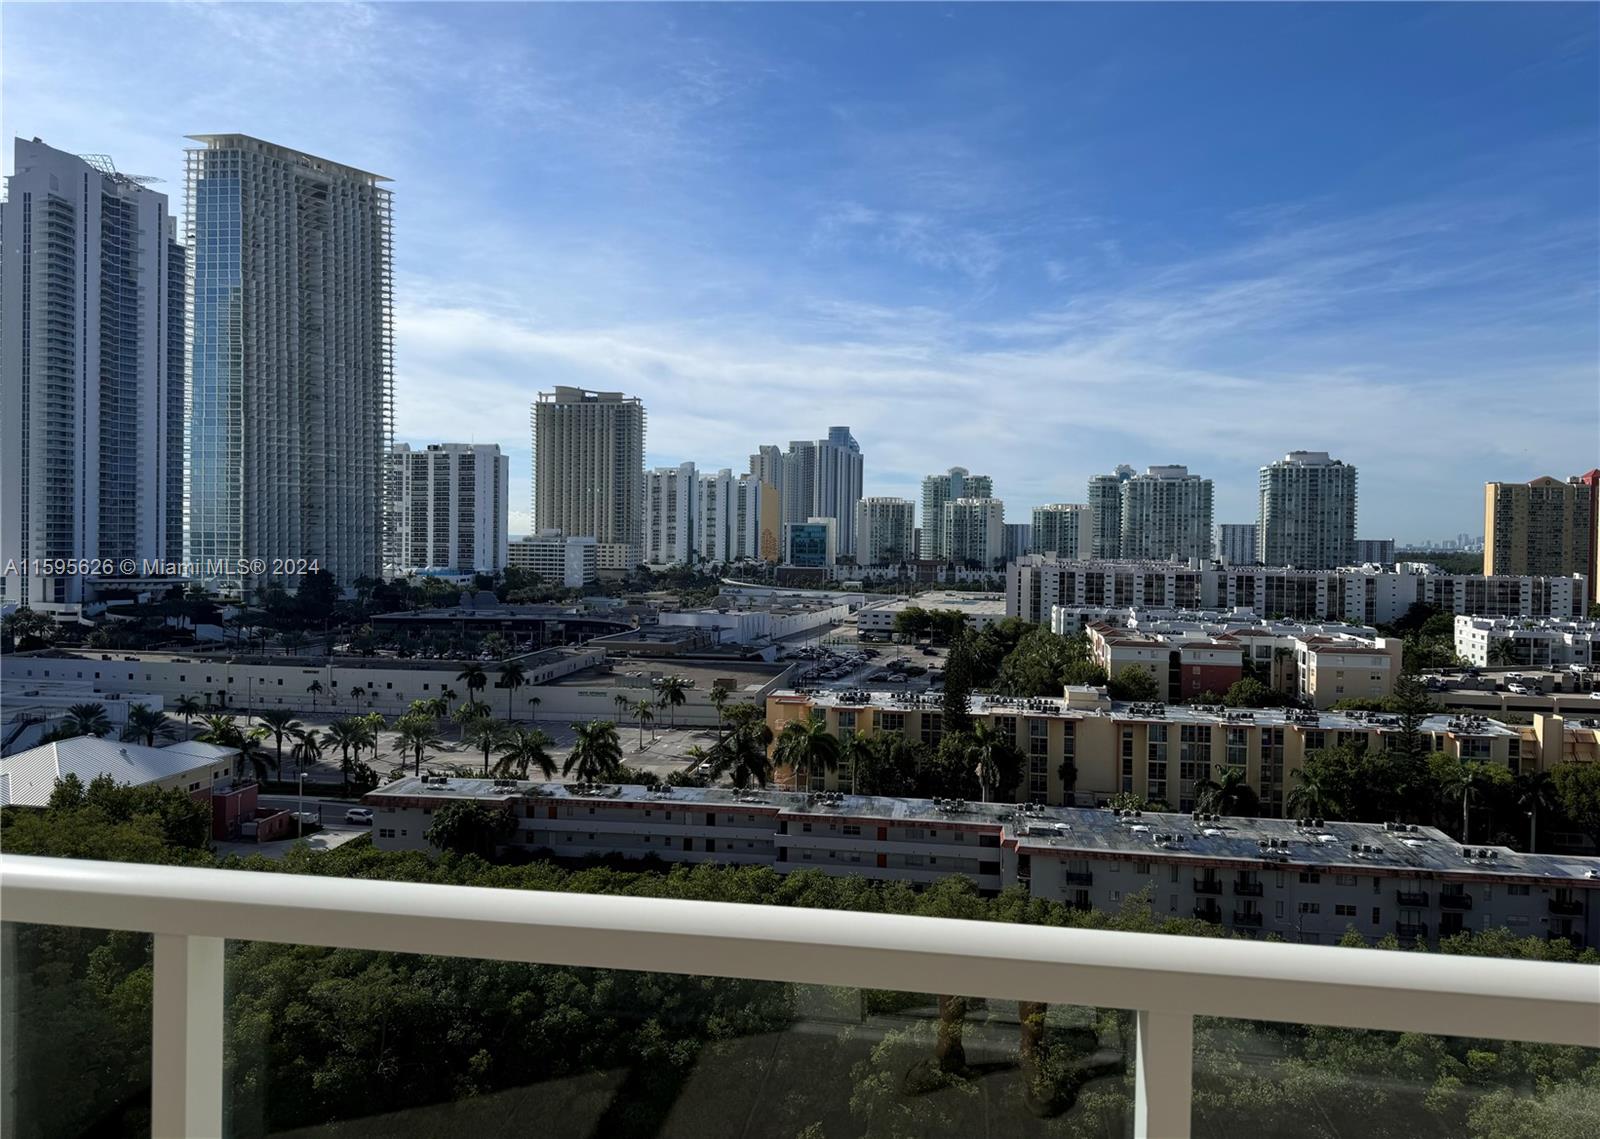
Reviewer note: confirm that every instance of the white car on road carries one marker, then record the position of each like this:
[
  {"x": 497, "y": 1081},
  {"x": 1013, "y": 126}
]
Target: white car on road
[{"x": 361, "y": 816}]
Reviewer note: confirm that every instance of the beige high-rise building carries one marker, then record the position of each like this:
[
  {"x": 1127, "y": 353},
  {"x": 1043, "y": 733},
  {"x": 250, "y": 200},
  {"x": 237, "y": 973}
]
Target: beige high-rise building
[
  {"x": 1062, "y": 528},
  {"x": 588, "y": 466},
  {"x": 1541, "y": 527}
]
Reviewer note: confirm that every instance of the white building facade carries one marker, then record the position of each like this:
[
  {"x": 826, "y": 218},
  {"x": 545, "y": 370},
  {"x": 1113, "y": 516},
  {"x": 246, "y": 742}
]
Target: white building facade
[
  {"x": 450, "y": 507},
  {"x": 290, "y": 359},
  {"x": 670, "y": 494},
  {"x": 1166, "y": 515},
  {"x": 1236, "y": 543},
  {"x": 1062, "y": 528},
  {"x": 975, "y": 532},
  {"x": 1308, "y": 512},
  {"x": 1529, "y": 642},
  {"x": 885, "y": 529},
  {"x": 91, "y": 352},
  {"x": 1105, "y": 512},
  {"x": 937, "y": 490},
  {"x": 571, "y": 562}
]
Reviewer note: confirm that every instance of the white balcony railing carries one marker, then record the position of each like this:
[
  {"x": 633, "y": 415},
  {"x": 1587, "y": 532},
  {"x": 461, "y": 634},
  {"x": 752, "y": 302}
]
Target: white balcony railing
[{"x": 1166, "y": 980}]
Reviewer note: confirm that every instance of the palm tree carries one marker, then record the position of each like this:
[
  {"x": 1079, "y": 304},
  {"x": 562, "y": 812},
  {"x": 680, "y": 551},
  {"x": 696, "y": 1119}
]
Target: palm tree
[
  {"x": 596, "y": 752},
  {"x": 145, "y": 724},
  {"x": 1502, "y": 651},
  {"x": 622, "y": 704},
  {"x": 1309, "y": 797},
  {"x": 1466, "y": 780},
  {"x": 533, "y": 709},
  {"x": 220, "y": 730},
  {"x": 488, "y": 733},
  {"x": 1230, "y": 795},
  {"x": 525, "y": 748},
  {"x": 512, "y": 677},
  {"x": 417, "y": 735},
  {"x": 719, "y": 696},
  {"x": 742, "y": 755},
  {"x": 250, "y": 753},
  {"x": 465, "y": 715},
  {"x": 474, "y": 678},
  {"x": 644, "y": 712},
  {"x": 86, "y": 720},
  {"x": 375, "y": 724},
  {"x": 674, "y": 692},
  {"x": 807, "y": 747},
  {"x": 307, "y": 748},
  {"x": 315, "y": 688},
  {"x": 188, "y": 707},
  {"x": 279, "y": 722},
  {"x": 1536, "y": 791},
  {"x": 996, "y": 758},
  {"x": 350, "y": 732}
]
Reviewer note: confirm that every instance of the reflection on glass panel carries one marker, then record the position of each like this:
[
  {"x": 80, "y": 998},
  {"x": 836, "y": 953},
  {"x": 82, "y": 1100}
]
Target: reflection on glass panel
[
  {"x": 76, "y": 1032},
  {"x": 1262, "y": 1078},
  {"x": 362, "y": 1044}
]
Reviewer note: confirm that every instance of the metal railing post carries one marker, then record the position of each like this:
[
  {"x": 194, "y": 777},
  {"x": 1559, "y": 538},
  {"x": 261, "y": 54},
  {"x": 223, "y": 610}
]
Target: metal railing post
[
  {"x": 1163, "y": 1093},
  {"x": 186, "y": 1038}
]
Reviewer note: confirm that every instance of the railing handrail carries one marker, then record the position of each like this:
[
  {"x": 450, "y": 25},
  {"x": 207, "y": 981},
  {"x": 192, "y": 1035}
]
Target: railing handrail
[{"x": 1429, "y": 993}]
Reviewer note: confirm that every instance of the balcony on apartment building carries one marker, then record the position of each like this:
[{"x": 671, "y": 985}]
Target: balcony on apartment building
[
  {"x": 1208, "y": 885},
  {"x": 1135, "y": 1001},
  {"x": 1412, "y": 899},
  {"x": 1462, "y": 901}
]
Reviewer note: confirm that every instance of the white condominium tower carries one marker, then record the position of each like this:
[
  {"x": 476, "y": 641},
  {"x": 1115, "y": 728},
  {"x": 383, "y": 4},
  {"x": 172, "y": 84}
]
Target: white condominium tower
[
  {"x": 821, "y": 479},
  {"x": 451, "y": 508},
  {"x": 975, "y": 529},
  {"x": 669, "y": 502},
  {"x": 937, "y": 490},
  {"x": 91, "y": 373},
  {"x": 1062, "y": 528},
  {"x": 1308, "y": 512},
  {"x": 290, "y": 362},
  {"x": 727, "y": 518},
  {"x": 1105, "y": 512},
  {"x": 588, "y": 466},
  {"x": 884, "y": 529},
  {"x": 1236, "y": 543},
  {"x": 1166, "y": 515}
]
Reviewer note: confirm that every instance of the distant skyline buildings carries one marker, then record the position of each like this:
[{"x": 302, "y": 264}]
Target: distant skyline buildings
[
  {"x": 449, "y": 506},
  {"x": 588, "y": 466},
  {"x": 1307, "y": 516},
  {"x": 937, "y": 491}
]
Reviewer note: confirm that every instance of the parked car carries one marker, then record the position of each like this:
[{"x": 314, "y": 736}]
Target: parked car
[
  {"x": 1517, "y": 689},
  {"x": 360, "y": 816}
]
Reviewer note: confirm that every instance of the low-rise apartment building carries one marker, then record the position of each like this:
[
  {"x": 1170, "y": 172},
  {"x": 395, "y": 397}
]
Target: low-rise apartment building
[
  {"x": 1532, "y": 642},
  {"x": 1306, "y": 880},
  {"x": 571, "y": 563},
  {"x": 1084, "y": 748}
]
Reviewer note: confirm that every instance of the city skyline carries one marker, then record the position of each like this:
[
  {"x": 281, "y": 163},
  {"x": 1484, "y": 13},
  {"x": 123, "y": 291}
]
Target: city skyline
[{"x": 940, "y": 252}]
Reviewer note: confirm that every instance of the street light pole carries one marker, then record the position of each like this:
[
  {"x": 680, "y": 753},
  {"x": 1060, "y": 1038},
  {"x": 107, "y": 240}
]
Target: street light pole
[{"x": 300, "y": 809}]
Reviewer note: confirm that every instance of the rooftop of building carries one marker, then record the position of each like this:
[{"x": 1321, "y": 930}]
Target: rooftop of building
[
  {"x": 224, "y": 659},
  {"x": 232, "y": 140},
  {"x": 960, "y": 600},
  {"x": 1083, "y": 706},
  {"x": 1348, "y": 847},
  {"x": 28, "y": 778},
  {"x": 1529, "y": 624},
  {"x": 741, "y": 677}
]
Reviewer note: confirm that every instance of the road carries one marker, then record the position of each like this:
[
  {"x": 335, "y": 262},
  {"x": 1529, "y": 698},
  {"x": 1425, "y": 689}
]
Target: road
[{"x": 330, "y": 811}]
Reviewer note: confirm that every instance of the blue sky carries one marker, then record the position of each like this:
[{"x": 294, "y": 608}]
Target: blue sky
[{"x": 1031, "y": 240}]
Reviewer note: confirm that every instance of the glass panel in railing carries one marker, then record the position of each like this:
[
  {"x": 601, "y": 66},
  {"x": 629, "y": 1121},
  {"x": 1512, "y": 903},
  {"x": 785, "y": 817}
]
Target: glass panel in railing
[
  {"x": 75, "y": 1034},
  {"x": 1264, "y": 1078},
  {"x": 324, "y": 1043}
]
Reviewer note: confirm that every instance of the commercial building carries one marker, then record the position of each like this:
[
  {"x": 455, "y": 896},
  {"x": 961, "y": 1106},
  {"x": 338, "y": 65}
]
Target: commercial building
[
  {"x": 669, "y": 531},
  {"x": 939, "y": 490},
  {"x": 588, "y": 467},
  {"x": 758, "y": 621},
  {"x": 1541, "y": 527},
  {"x": 980, "y": 609},
  {"x": 1528, "y": 642},
  {"x": 1166, "y": 515},
  {"x": 1308, "y": 512},
  {"x": 571, "y": 563},
  {"x": 975, "y": 532},
  {"x": 810, "y": 544},
  {"x": 450, "y": 508},
  {"x": 1062, "y": 528},
  {"x": 884, "y": 531},
  {"x": 1374, "y": 551},
  {"x": 1236, "y": 544},
  {"x": 1363, "y": 596},
  {"x": 616, "y": 558},
  {"x": 91, "y": 349},
  {"x": 28, "y": 778},
  {"x": 291, "y": 358},
  {"x": 1308, "y": 881},
  {"x": 1105, "y": 512}
]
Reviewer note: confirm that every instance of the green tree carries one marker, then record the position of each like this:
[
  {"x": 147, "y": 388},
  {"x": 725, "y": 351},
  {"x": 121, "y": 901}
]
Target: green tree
[
  {"x": 512, "y": 677},
  {"x": 644, "y": 713},
  {"x": 1535, "y": 791},
  {"x": 807, "y": 748},
  {"x": 1132, "y": 683},
  {"x": 1248, "y": 692},
  {"x": 307, "y": 748},
  {"x": 146, "y": 725},
  {"x": 674, "y": 692},
  {"x": 525, "y": 749},
  {"x": 349, "y": 734},
  {"x": 416, "y": 733},
  {"x": 280, "y": 724},
  {"x": 221, "y": 730},
  {"x": 596, "y": 752},
  {"x": 467, "y": 826},
  {"x": 487, "y": 733},
  {"x": 1310, "y": 796},
  {"x": 997, "y": 762},
  {"x": 719, "y": 699},
  {"x": 85, "y": 720},
  {"x": 315, "y": 689},
  {"x": 1578, "y": 791},
  {"x": 1413, "y": 703},
  {"x": 28, "y": 629},
  {"x": 188, "y": 707},
  {"x": 743, "y": 754},
  {"x": 956, "y": 701},
  {"x": 474, "y": 678},
  {"x": 465, "y": 715},
  {"x": 883, "y": 764},
  {"x": 1229, "y": 795}
]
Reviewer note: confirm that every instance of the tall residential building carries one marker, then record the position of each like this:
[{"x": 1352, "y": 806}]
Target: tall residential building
[
  {"x": 727, "y": 518},
  {"x": 769, "y": 523},
  {"x": 91, "y": 357},
  {"x": 670, "y": 494},
  {"x": 1063, "y": 528},
  {"x": 884, "y": 529},
  {"x": 1541, "y": 527},
  {"x": 937, "y": 490},
  {"x": 766, "y": 465},
  {"x": 570, "y": 562},
  {"x": 975, "y": 531},
  {"x": 822, "y": 479},
  {"x": 450, "y": 508},
  {"x": 1019, "y": 540},
  {"x": 1105, "y": 512},
  {"x": 1236, "y": 543},
  {"x": 1308, "y": 512},
  {"x": 1166, "y": 515},
  {"x": 1592, "y": 481},
  {"x": 1377, "y": 551},
  {"x": 290, "y": 358},
  {"x": 588, "y": 467}
]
